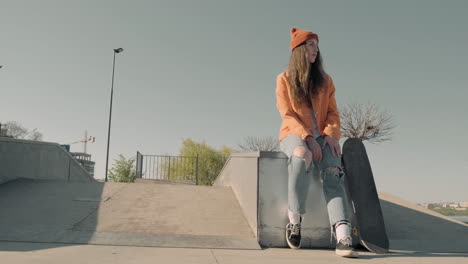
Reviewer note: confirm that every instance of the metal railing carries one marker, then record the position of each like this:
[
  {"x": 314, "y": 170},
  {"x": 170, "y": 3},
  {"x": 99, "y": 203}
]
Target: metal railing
[{"x": 167, "y": 168}]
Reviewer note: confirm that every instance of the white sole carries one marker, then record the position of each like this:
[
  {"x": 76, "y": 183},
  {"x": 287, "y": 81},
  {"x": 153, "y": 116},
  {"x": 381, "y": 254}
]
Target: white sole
[{"x": 347, "y": 253}]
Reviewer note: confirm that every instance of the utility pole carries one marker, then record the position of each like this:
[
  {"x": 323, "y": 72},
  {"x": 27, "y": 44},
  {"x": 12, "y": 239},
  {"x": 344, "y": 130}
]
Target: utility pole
[{"x": 110, "y": 112}]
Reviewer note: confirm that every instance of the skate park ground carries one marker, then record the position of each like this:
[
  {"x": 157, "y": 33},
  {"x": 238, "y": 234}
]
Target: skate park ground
[
  {"x": 46, "y": 253},
  {"x": 64, "y": 226},
  {"x": 53, "y": 214}
]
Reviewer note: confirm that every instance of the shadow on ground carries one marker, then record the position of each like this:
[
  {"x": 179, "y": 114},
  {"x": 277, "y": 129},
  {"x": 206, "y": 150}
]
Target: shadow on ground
[{"x": 43, "y": 211}]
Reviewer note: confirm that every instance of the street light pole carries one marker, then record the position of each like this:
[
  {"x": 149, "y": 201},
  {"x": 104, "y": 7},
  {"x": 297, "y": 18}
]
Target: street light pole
[{"x": 110, "y": 111}]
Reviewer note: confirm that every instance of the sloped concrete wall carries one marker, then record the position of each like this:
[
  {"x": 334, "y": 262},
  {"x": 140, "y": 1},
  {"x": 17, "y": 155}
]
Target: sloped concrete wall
[
  {"x": 38, "y": 160},
  {"x": 240, "y": 173},
  {"x": 412, "y": 227}
]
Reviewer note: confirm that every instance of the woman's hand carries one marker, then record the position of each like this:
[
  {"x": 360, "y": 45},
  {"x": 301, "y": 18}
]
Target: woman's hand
[
  {"x": 334, "y": 145},
  {"x": 314, "y": 148}
]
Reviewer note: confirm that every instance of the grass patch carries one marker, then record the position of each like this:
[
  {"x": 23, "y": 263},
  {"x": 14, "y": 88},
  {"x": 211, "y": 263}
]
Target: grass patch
[{"x": 451, "y": 211}]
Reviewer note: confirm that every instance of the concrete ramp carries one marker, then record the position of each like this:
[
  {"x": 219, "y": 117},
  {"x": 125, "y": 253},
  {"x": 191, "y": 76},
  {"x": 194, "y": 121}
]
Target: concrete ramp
[
  {"x": 259, "y": 182},
  {"x": 132, "y": 214}
]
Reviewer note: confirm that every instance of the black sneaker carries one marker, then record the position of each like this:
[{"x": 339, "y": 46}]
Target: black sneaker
[
  {"x": 344, "y": 248},
  {"x": 293, "y": 235}
]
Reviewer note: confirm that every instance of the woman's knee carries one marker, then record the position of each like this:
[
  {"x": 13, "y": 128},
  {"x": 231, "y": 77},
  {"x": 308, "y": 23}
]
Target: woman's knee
[
  {"x": 333, "y": 175},
  {"x": 333, "y": 170},
  {"x": 302, "y": 152}
]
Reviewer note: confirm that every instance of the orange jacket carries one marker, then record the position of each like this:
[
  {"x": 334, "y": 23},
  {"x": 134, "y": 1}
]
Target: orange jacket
[{"x": 298, "y": 119}]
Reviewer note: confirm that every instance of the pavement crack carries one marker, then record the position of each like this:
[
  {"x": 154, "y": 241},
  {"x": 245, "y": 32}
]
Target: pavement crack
[
  {"x": 116, "y": 192},
  {"x": 75, "y": 226},
  {"x": 212, "y": 253}
]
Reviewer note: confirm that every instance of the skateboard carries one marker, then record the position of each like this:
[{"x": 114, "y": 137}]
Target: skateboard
[{"x": 363, "y": 195}]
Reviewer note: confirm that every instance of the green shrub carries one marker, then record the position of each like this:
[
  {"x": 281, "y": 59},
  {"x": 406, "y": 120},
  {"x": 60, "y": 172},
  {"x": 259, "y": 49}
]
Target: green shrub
[
  {"x": 123, "y": 170},
  {"x": 210, "y": 162}
]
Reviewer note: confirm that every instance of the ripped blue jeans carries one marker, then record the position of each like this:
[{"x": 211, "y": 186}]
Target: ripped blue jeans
[{"x": 299, "y": 180}]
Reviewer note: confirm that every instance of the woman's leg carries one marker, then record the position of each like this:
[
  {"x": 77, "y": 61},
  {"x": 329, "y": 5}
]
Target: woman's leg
[
  {"x": 299, "y": 163},
  {"x": 337, "y": 201},
  {"x": 332, "y": 176}
]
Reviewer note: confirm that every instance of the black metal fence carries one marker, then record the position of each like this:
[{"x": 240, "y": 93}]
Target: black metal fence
[{"x": 167, "y": 168}]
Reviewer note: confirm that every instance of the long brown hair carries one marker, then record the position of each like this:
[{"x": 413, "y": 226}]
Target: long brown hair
[{"x": 305, "y": 78}]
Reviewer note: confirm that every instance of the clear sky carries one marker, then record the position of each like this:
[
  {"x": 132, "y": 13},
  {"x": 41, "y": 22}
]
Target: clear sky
[{"x": 207, "y": 70}]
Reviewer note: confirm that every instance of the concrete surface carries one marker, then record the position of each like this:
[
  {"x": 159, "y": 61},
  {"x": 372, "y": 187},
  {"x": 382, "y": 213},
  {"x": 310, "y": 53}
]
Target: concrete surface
[
  {"x": 46, "y": 253},
  {"x": 412, "y": 227},
  {"x": 123, "y": 214},
  {"x": 38, "y": 160},
  {"x": 409, "y": 227},
  {"x": 41, "y": 221}
]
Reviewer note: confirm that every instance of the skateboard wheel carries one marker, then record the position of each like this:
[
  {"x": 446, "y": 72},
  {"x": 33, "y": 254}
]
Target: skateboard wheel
[{"x": 356, "y": 231}]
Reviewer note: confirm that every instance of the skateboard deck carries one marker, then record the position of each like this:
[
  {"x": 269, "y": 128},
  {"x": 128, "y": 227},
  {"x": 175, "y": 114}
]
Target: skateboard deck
[{"x": 363, "y": 195}]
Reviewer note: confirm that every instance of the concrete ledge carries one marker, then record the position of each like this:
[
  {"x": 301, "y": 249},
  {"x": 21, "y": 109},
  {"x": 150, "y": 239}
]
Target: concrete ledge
[
  {"x": 259, "y": 181},
  {"x": 263, "y": 154}
]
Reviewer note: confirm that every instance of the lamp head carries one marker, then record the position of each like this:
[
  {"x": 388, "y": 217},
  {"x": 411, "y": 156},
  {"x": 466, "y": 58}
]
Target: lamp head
[{"x": 118, "y": 50}]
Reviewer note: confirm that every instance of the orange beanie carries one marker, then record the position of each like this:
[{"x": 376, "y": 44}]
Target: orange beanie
[{"x": 298, "y": 36}]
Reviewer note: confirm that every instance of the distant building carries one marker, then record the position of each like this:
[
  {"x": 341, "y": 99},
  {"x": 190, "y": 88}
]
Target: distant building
[
  {"x": 85, "y": 160},
  {"x": 444, "y": 205}
]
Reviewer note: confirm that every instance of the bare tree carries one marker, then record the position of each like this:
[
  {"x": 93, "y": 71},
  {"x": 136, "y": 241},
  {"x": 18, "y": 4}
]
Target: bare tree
[
  {"x": 3, "y": 131},
  {"x": 366, "y": 122},
  {"x": 15, "y": 130},
  {"x": 259, "y": 144},
  {"x": 35, "y": 135}
]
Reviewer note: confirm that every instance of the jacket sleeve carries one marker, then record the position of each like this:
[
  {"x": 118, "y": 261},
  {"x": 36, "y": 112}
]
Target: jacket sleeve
[
  {"x": 291, "y": 119},
  {"x": 332, "y": 123}
]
